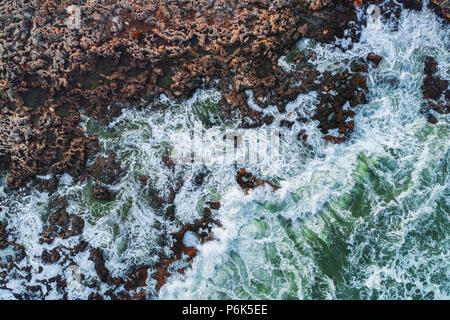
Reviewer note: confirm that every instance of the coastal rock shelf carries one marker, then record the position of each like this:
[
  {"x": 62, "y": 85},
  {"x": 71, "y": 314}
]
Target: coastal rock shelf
[{"x": 69, "y": 66}]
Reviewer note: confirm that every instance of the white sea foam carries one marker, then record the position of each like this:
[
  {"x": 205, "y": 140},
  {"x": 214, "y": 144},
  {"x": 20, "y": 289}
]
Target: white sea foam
[
  {"x": 390, "y": 125},
  {"x": 300, "y": 241}
]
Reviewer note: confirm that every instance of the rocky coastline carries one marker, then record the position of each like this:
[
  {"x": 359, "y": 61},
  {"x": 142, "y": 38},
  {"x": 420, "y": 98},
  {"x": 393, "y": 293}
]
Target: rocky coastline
[{"x": 62, "y": 59}]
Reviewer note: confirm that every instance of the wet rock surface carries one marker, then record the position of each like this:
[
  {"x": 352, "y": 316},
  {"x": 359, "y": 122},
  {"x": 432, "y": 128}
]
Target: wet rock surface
[
  {"x": 38, "y": 142},
  {"x": 102, "y": 193},
  {"x": 128, "y": 287},
  {"x": 105, "y": 169},
  {"x": 133, "y": 284},
  {"x": 390, "y": 8},
  {"x": 62, "y": 225},
  {"x": 441, "y": 7},
  {"x": 374, "y": 58},
  {"x": 248, "y": 181},
  {"x": 10, "y": 265},
  {"x": 59, "y": 59}
]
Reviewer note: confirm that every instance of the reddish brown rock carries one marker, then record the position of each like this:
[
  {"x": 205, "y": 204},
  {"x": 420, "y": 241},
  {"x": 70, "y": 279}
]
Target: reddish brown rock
[
  {"x": 95, "y": 296},
  {"x": 125, "y": 53},
  {"x": 101, "y": 193},
  {"x": 213, "y": 204},
  {"x": 202, "y": 228},
  {"x": 331, "y": 113},
  {"x": 302, "y": 136},
  {"x": 160, "y": 275},
  {"x": 50, "y": 257},
  {"x": 441, "y": 7},
  {"x": 433, "y": 87},
  {"x": 375, "y": 59},
  {"x": 61, "y": 225},
  {"x": 49, "y": 185},
  {"x": 139, "y": 295},
  {"x": 248, "y": 181},
  {"x": 100, "y": 268},
  {"x": 137, "y": 276},
  {"x": 434, "y": 91},
  {"x": 105, "y": 169},
  {"x": 198, "y": 179},
  {"x": 128, "y": 52}
]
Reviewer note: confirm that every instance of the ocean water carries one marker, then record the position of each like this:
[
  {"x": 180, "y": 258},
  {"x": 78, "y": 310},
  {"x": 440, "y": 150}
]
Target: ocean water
[{"x": 366, "y": 219}]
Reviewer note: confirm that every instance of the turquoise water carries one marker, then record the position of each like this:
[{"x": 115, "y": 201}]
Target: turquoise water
[{"x": 367, "y": 219}]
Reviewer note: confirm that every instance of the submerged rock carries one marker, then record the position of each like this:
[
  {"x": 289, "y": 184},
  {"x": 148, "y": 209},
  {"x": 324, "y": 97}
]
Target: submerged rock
[
  {"x": 101, "y": 193},
  {"x": 248, "y": 181}
]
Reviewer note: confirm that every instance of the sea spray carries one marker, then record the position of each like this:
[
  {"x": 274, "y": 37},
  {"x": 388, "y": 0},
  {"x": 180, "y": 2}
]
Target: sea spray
[{"x": 365, "y": 219}]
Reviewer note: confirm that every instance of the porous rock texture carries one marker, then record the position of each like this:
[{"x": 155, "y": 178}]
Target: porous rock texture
[
  {"x": 62, "y": 57},
  {"x": 391, "y": 7},
  {"x": 58, "y": 58}
]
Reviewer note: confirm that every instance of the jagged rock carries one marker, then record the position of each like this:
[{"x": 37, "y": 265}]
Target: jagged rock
[
  {"x": 49, "y": 73},
  {"x": 375, "y": 59},
  {"x": 50, "y": 257},
  {"x": 434, "y": 91},
  {"x": 433, "y": 86},
  {"x": 105, "y": 169},
  {"x": 128, "y": 52},
  {"x": 198, "y": 179},
  {"x": 248, "y": 181},
  {"x": 101, "y": 193}
]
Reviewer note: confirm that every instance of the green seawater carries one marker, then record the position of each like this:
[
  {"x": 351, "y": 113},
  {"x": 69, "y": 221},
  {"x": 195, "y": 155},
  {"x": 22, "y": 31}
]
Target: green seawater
[{"x": 367, "y": 219}]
